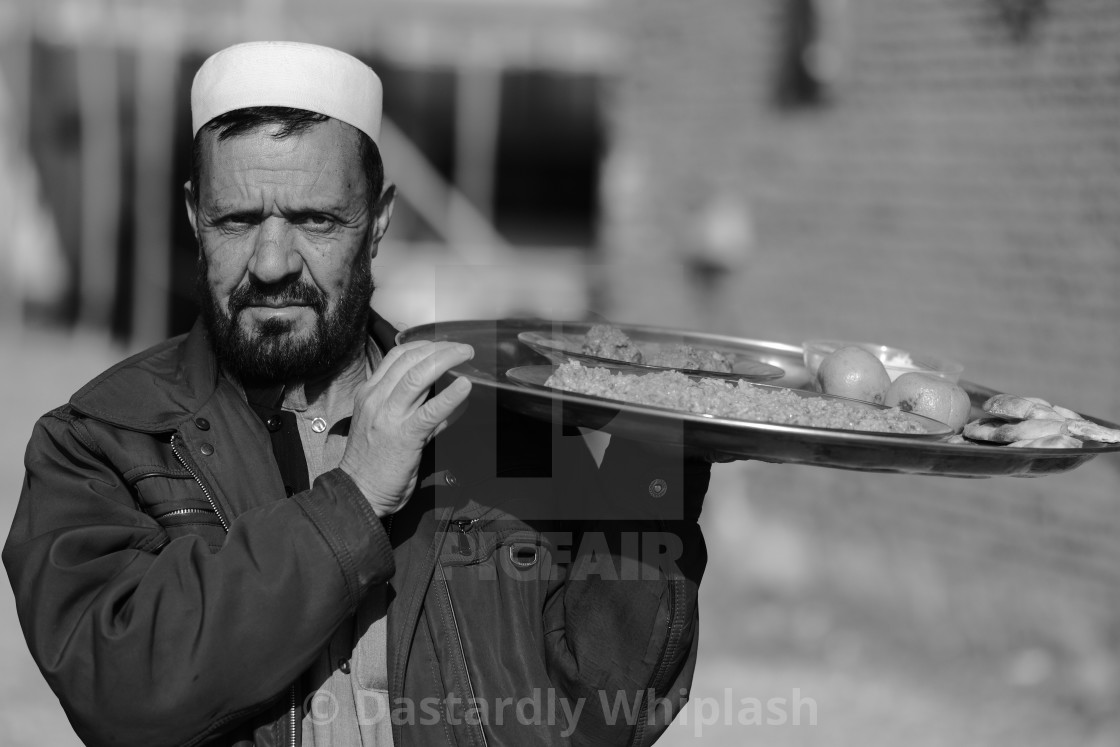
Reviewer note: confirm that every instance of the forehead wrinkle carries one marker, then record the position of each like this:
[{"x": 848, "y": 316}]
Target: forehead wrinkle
[
  {"x": 282, "y": 174},
  {"x": 255, "y": 186},
  {"x": 336, "y": 190},
  {"x": 346, "y": 179}
]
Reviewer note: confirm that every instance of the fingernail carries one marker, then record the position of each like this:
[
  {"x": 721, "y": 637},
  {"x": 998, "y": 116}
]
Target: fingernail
[{"x": 466, "y": 349}]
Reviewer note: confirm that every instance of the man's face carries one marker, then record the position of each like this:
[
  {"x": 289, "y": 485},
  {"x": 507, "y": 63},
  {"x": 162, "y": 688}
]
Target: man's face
[{"x": 286, "y": 231}]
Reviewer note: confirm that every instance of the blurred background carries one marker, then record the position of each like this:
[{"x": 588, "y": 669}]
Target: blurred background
[{"x": 935, "y": 174}]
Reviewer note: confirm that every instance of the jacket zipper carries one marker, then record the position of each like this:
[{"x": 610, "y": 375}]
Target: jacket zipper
[
  {"x": 672, "y": 642},
  {"x": 184, "y": 511},
  {"x": 464, "y": 526},
  {"x": 225, "y": 525},
  {"x": 194, "y": 473},
  {"x": 292, "y": 713},
  {"x": 463, "y": 653}
]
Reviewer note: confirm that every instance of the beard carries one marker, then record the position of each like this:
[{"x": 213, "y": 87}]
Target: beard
[{"x": 272, "y": 353}]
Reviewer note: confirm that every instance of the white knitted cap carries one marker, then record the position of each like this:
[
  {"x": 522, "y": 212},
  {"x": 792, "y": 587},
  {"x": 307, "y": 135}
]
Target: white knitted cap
[{"x": 291, "y": 74}]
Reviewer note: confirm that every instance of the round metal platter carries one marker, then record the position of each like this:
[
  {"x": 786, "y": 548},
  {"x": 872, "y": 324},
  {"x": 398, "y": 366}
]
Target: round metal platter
[
  {"x": 497, "y": 350},
  {"x": 566, "y": 339}
]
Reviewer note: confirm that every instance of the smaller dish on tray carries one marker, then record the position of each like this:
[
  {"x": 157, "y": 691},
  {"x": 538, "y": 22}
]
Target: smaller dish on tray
[
  {"x": 706, "y": 397},
  {"x": 566, "y": 342}
]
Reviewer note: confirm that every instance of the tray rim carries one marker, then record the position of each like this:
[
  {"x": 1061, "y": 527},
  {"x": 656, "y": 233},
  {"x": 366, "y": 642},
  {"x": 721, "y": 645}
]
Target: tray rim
[
  {"x": 1025, "y": 459},
  {"x": 541, "y": 347}
]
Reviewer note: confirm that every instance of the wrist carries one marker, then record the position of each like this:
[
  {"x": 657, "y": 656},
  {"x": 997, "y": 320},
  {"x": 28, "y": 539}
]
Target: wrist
[{"x": 383, "y": 503}]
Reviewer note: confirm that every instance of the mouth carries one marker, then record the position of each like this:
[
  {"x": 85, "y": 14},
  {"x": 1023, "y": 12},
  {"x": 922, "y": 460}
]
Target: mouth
[{"x": 280, "y": 305}]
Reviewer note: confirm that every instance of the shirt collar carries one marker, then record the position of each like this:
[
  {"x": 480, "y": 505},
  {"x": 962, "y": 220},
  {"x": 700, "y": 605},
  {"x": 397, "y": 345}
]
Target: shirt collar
[{"x": 296, "y": 397}]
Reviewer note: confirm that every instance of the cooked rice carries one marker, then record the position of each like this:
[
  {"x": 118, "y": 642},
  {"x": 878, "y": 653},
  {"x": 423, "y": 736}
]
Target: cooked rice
[
  {"x": 740, "y": 400},
  {"x": 687, "y": 357},
  {"x": 606, "y": 341}
]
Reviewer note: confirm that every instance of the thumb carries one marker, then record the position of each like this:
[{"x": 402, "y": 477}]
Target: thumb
[{"x": 400, "y": 327}]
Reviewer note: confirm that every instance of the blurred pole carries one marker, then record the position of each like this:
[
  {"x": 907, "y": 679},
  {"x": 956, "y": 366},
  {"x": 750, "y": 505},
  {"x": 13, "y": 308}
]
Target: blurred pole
[
  {"x": 15, "y": 49},
  {"x": 157, "y": 70},
  {"x": 98, "y": 102},
  {"x": 16, "y": 34},
  {"x": 474, "y": 240},
  {"x": 478, "y": 101}
]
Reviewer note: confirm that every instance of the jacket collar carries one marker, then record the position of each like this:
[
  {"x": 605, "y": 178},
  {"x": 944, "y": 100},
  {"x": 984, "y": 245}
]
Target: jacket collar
[{"x": 156, "y": 390}]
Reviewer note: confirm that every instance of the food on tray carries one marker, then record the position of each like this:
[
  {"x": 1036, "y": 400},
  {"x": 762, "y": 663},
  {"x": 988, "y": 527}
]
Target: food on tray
[
  {"x": 1089, "y": 431},
  {"x": 1026, "y": 408},
  {"x": 688, "y": 357},
  {"x": 899, "y": 359},
  {"x": 896, "y": 361},
  {"x": 606, "y": 341},
  {"x": 725, "y": 399},
  {"x": 853, "y": 372},
  {"x": 1034, "y": 422},
  {"x": 1058, "y": 441},
  {"x": 931, "y": 396},
  {"x": 1001, "y": 431}
]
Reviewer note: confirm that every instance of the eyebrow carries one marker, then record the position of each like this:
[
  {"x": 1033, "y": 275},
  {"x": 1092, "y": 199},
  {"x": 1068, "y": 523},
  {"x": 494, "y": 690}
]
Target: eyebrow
[{"x": 229, "y": 212}]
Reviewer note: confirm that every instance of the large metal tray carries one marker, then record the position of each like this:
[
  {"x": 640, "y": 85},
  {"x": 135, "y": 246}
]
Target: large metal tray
[{"x": 497, "y": 350}]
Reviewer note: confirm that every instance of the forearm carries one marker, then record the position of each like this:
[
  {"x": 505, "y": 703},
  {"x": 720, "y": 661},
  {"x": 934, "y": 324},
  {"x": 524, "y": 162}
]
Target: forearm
[{"x": 151, "y": 642}]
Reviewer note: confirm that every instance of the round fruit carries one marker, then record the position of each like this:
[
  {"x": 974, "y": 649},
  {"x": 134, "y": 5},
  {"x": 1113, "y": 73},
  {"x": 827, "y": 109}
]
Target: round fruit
[
  {"x": 853, "y": 372},
  {"x": 931, "y": 396}
]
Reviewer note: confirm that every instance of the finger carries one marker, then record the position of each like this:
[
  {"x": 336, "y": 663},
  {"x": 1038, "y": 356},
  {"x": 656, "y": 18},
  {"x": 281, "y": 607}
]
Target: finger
[
  {"x": 434, "y": 416},
  {"x": 416, "y": 388},
  {"x": 389, "y": 374},
  {"x": 457, "y": 412},
  {"x": 415, "y": 379},
  {"x": 378, "y": 387},
  {"x": 395, "y": 353},
  {"x": 401, "y": 328}
]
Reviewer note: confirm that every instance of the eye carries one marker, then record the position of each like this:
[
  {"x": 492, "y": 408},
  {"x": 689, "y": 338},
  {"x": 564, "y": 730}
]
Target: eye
[
  {"x": 237, "y": 222},
  {"x": 316, "y": 222}
]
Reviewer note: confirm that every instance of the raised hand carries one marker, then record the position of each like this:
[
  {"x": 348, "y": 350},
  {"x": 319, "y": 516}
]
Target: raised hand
[{"x": 394, "y": 419}]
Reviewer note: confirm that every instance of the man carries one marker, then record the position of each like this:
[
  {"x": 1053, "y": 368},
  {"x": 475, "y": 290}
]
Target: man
[{"x": 282, "y": 528}]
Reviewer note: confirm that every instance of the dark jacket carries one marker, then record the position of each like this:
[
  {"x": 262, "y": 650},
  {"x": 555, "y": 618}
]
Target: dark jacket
[{"x": 173, "y": 592}]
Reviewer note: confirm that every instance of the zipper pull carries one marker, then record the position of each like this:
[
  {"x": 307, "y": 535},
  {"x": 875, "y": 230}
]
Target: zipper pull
[{"x": 463, "y": 525}]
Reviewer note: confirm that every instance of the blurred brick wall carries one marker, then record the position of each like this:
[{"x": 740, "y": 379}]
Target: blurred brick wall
[{"x": 960, "y": 193}]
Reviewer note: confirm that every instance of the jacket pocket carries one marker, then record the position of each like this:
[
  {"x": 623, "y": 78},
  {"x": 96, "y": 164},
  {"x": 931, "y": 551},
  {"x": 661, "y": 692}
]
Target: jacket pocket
[
  {"x": 507, "y": 546},
  {"x": 496, "y": 580},
  {"x": 176, "y": 501}
]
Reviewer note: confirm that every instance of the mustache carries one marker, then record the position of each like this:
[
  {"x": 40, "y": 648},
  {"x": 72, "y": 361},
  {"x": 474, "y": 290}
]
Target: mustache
[{"x": 288, "y": 294}]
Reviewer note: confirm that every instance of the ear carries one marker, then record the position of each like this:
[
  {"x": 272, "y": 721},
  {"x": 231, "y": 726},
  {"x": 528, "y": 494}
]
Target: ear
[
  {"x": 382, "y": 214},
  {"x": 192, "y": 217}
]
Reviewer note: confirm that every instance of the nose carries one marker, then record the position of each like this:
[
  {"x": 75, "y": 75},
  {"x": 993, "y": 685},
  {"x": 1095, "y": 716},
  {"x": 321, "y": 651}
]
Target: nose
[{"x": 274, "y": 255}]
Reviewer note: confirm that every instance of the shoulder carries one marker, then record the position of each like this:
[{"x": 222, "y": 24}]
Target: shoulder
[
  {"x": 152, "y": 390},
  {"x": 157, "y": 361}
]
